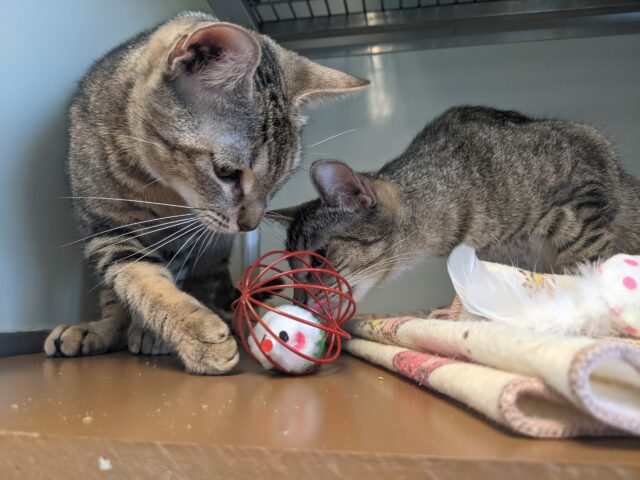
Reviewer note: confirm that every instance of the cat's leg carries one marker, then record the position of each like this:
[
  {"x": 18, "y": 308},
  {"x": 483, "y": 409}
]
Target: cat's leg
[
  {"x": 200, "y": 338},
  {"x": 597, "y": 245},
  {"x": 585, "y": 235},
  {"x": 197, "y": 335},
  {"x": 92, "y": 338},
  {"x": 214, "y": 289}
]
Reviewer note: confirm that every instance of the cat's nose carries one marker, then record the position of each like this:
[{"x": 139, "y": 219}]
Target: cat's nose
[{"x": 249, "y": 218}]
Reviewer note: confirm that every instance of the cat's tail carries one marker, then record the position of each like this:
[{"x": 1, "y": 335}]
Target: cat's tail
[{"x": 577, "y": 307}]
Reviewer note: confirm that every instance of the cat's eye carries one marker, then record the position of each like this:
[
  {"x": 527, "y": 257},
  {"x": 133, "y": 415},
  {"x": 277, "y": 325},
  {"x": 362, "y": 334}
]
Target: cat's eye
[
  {"x": 284, "y": 336},
  {"x": 226, "y": 173}
]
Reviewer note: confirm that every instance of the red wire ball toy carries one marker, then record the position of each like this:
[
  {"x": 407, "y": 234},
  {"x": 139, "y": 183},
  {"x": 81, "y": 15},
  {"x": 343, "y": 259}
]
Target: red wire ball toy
[{"x": 295, "y": 337}]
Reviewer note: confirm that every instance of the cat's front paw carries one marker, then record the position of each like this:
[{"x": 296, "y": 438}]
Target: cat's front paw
[
  {"x": 74, "y": 340},
  {"x": 206, "y": 346},
  {"x": 143, "y": 341}
]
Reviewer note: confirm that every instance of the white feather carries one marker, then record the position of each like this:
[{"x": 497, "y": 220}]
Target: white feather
[{"x": 576, "y": 308}]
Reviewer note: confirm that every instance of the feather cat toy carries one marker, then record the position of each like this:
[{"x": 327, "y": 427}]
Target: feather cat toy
[{"x": 601, "y": 299}]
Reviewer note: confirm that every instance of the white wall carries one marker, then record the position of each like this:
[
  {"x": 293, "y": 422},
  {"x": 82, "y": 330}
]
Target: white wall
[
  {"x": 45, "y": 48},
  {"x": 593, "y": 80}
]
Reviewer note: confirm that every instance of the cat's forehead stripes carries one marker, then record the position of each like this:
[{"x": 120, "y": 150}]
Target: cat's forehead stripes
[{"x": 276, "y": 138}]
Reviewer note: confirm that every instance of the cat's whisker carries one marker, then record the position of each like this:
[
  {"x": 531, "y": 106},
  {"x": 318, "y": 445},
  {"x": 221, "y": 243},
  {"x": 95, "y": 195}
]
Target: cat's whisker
[
  {"x": 274, "y": 230},
  {"x": 332, "y": 137},
  {"x": 386, "y": 262},
  {"x": 202, "y": 234},
  {"x": 273, "y": 224},
  {"x": 375, "y": 264},
  {"x": 158, "y": 228},
  {"x": 165, "y": 241},
  {"x": 202, "y": 249},
  {"x": 125, "y": 226},
  {"x": 189, "y": 227},
  {"x": 214, "y": 239},
  {"x": 392, "y": 259},
  {"x": 197, "y": 232},
  {"x": 272, "y": 235},
  {"x": 369, "y": 276},
  {"x": 142, "y": 140},
  {"x": 151, "y": 183},
  {"x": 370, "y": 271},
  {"x": 148, "y": 202},
  {"x": 272, "y": 213}
]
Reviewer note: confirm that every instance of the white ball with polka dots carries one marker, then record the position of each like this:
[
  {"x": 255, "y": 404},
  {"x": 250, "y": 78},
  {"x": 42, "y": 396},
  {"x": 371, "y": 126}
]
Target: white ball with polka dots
[{"x": 306, "y": 339}]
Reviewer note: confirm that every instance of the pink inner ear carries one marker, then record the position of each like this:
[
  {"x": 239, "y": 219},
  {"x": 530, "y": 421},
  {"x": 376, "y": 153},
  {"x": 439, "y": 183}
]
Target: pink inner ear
[
  {"x": 224, "y": 37},
  {"x": 237, "y": 52},
  {"x": 180, "y": 50}
]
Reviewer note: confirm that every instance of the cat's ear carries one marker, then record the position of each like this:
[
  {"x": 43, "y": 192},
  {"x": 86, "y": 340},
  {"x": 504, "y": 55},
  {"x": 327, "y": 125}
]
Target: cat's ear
[
  {"x": 312, "y": 84},
  {"x": 338, "y": 185},
  {"x": 221, "y": 55}
]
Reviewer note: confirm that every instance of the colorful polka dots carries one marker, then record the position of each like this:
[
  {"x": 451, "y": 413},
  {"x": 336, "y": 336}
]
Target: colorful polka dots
[
  {"x": 630, "y": 330},
  {"x": 630, "y": 283},
  {"x": 266, "y": 346},
  {"x": 632, "y": 262},
  {"x": 615, "y": 311}
]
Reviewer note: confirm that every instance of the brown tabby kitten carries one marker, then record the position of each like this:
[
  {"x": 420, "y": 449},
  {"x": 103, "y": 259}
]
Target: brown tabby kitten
[
  {"x": 545, "y": 194},
  {"x": 179, "y": 138}
]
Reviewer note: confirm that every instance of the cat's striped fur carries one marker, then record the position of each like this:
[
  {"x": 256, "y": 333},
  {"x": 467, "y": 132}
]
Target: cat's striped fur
[
  {"x": 178, "y": 139},
  {"x": 543, "y": 194}
]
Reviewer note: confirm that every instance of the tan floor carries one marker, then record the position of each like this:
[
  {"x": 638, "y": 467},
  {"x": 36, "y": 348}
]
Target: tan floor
[{"x": 144, "y": 414}]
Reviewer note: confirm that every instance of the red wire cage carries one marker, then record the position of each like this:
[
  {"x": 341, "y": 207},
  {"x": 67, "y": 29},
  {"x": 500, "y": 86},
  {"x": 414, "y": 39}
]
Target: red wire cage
[{"x": 329, "y": 299}]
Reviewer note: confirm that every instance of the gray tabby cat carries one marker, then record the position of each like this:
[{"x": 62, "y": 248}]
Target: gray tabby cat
[
  {"x": 178, "y": 139},
  {"x": 545, "y": 194}
]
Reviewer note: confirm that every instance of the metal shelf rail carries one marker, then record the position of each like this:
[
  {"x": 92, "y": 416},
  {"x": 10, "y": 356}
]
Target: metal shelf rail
[{"x": 339, "y": 27}]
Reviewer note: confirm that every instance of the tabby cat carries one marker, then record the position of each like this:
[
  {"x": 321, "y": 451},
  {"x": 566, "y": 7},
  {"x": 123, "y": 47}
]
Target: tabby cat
[
  {"x": 543, "y": 194},
  {"x": 178, "y": 139}
]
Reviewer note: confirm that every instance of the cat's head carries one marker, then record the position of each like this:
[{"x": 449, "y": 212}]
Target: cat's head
[
  {"x": 354, "y": 224},
  {"x": 217, "y": 110}
]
